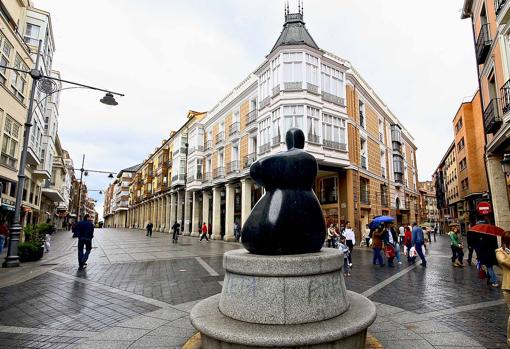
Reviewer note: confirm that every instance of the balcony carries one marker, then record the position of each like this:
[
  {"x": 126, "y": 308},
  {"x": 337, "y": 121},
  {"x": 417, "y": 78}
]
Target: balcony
[
  {"x": 293, "y": 86},
  {"x": 218, "y": 172},
  {"x": 311, "y": 88},
  {"x": 498, "y": 5},
  {"x": 251, "y": 117},
  {"x": 207, "y": 177},
  {"x": 313, "y": 138},
  {"x": 364, "y": 196},
  {"x": 249, "y": 159},
  {"x": 491, "y": 117},
  {"x": 220, "y": 137},
  {"x": 483, "y": 44},
  {"x": 179, "y": 177},
  {"x": 264, "y": 148},
  {"x": 234, "y": 129},
  {"x": 364, "y": 162},
  {"x": 264, "y": 103},
  {"x": 42, "y": 173},
  {"x": 276, "y": 91},
  {"x": 233, "y": 167},
  {"x": 51, "y": 192},
  {"x": 195, "y": 178},
  {"x": 504, "y": 92},
  {"x": 208, "y": 145},
  {"x": 275, "y": 141},
  {"x": 328, "y": 97},
  {"x": 334, "y": 145}
]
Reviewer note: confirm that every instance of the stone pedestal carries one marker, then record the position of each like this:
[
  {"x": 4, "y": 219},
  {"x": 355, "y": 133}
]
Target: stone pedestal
[{"x": 302, "y": 297}]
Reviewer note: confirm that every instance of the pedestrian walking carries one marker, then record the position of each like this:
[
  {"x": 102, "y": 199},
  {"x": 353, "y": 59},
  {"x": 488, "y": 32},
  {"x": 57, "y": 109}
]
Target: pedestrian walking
[
  {"x": 391, "y": 242},
  {"x": 85, "y": 234},
  {"x": 367, "y": 236},
  {"x": 350, "y": 240},
  {"x": 418, "y": 241},
  {"x": 503, "y": 257},
  {"x": 408, "y": 244},
  {"x": 429, "y": 231},
  {"x": 209, "y": 230},
  {"x": 47, "y": 237},
  {"x": 401, "y": 233},
  {"x": 435, "y": 232},
  {"x": 487, "y": 256},
  {"x": 4, "y": 234},
  {"x": 457, "y": 247},
  {"x": 149, "y": 229},
  {"x": 377, "y": 245},
  {"x": 330, "y": 234},
  {"x": 175, "y": 232},
  {"x": 473, "y": 239},
  {"x": 342, "y": 246},
  {"x": 237, "y": 231},
  {"x": 204, "y": 232}
]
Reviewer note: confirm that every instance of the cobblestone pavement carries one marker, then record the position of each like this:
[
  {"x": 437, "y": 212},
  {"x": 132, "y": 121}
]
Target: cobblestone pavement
[{"x": 137, "y": 292}]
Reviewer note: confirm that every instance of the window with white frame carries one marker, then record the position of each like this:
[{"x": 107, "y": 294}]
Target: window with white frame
[
  {"x": 332, "y": 81},
  {"x": 362, "y": 115},
  {"x": 292, "y": 117},
  {"x": 312, "y": 69},
  {"x": 275, "y": 118},
  {"x": 383, "y": 163},
  {"x": 265, "y": 131},
  {"x": 381, "y": 130},
  {"x": 363, "y": 152},
  {"x": 264, "y": 84},
  {"x": 19, "y": 79},
  {"x": 5, "y": 54},
  {"x": 32, "y": 34},
  {"x": 333, "y": 128},
  {"x": 293, "y": 67},
  {"x": 221, "y": 159},
  {"x": 313, "y": 124},
  {"x": 275, "y": 69},
  {"x": 10, "y": 142}
]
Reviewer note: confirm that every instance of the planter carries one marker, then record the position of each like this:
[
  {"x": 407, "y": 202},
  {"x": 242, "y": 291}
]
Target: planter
[{"x": 30, "y": 253}]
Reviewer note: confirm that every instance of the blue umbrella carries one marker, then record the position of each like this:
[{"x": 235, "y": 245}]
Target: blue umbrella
[{"x": 378, "y": 220}]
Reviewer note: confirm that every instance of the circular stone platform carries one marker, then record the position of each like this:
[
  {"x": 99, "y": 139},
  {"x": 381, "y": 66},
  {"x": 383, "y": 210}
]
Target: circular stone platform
[
  {"x": 347, "y": 330},
  {"x": 281, "y": 290}
]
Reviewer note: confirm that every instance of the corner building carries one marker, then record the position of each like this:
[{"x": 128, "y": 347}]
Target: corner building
[{"x": 367, "y": 159}]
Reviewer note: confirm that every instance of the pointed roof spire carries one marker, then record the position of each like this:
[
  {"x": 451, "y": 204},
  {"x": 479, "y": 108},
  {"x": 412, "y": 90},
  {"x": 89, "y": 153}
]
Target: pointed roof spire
[{"x": 294, "y": 31}]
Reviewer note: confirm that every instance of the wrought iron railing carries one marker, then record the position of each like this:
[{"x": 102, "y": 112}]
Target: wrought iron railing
[
  {"x": 251, "y": 117},
  {"x": 483, "y": 43},
  {"x": 491, "y": 117}
]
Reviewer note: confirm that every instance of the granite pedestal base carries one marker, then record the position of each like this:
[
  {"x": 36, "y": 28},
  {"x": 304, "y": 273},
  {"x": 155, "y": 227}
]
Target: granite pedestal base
[{"x": 288, "y": 301}]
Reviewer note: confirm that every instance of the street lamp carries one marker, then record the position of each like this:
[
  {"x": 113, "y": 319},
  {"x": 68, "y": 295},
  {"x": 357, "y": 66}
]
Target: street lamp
[{"x": 12, "y": 259}]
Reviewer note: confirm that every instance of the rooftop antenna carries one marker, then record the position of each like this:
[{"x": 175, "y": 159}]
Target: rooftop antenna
[
  {"x": 302, "y": 7},
  {"x": 299, "y": 6},
  {"x": 287, "y": 7}
]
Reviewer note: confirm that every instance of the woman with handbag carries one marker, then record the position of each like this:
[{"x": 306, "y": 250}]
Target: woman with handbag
[
  {"x": 503, "y": 257},
  {"x": 377, "y": 245}
]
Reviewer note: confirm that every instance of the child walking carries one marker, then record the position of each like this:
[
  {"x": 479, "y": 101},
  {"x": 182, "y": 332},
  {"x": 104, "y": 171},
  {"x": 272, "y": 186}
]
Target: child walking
[{"x": 342, "y": 246}]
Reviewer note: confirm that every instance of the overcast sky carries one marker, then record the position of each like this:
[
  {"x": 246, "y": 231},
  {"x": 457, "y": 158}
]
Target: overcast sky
[{"x": 170, "y": 56}]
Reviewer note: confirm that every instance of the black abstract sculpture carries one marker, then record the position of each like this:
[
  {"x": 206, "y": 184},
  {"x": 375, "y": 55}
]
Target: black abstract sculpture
[{"x": 288, "y": 218}]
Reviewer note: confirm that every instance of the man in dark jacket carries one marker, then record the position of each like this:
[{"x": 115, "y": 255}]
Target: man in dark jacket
[{"x": 85, "y": 232}]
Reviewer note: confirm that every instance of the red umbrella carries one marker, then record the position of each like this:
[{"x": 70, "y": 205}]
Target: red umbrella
[{"x": 487, "y": 229}]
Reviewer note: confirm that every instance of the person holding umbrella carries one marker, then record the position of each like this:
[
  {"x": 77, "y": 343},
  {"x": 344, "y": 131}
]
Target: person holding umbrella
[
  {"x": 487, "y": 244},
  {"x": 503, "y": 257}
]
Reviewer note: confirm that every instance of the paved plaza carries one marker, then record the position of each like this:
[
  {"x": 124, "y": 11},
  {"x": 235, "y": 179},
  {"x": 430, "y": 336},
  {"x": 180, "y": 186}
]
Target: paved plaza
[{"x": 138, "y": 291}]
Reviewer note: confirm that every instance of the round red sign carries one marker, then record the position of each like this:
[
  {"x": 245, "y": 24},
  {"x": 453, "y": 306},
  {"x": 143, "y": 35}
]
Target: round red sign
[{"x": 484, "y": 208}]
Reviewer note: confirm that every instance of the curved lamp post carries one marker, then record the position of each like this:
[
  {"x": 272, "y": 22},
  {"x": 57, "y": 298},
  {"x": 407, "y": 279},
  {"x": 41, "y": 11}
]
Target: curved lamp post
[{"x": 46, "y": 85}]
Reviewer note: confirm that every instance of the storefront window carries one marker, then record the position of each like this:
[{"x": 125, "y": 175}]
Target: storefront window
[{"x": 328, "y": 192}]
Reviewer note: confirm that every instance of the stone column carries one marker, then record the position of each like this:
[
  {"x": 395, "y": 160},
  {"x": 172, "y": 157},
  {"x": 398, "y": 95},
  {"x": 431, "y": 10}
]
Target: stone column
[
  {"x": 205, "y": 209},
  {"x": 173, "y": 210},
  {"x": 179, "y": 207},
  {"x": 187, "y": 212},
  {"x": 162, "y": 214},
  {"x": 229, "y": 212},
  {"x": 195, "y": 221},
  {"x": 216, "y": 218},
  {"x": 246, "y": 186},
  {"x": 168, "y": 212},
  {"x": 499, "y": 191}
]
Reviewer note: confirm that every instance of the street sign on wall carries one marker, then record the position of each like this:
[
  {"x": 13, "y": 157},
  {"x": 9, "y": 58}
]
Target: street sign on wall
[{"x": 484, "y": 207}]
